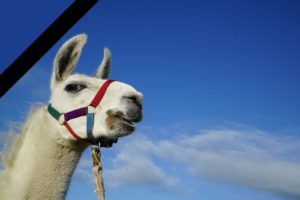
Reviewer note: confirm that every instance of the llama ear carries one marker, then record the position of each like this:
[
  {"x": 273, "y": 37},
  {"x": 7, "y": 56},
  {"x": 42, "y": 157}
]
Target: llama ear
[
  {"x": 67, "y": 57},
  {"x": 104, "y": 68}
]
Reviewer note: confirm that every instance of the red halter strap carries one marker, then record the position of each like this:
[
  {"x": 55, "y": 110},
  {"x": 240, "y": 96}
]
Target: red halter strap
[
  {"x": 100, "y": 94},
  {"x": 73, "y": 133},
  {"x": 81, "y": 112}
]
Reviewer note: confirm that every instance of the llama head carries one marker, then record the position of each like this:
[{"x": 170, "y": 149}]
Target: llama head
[{"x": 119, "y": 108}]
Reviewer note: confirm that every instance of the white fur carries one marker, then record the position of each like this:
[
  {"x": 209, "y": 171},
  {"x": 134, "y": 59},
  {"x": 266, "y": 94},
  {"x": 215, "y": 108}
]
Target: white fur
[{"x": 45, "y": 154}]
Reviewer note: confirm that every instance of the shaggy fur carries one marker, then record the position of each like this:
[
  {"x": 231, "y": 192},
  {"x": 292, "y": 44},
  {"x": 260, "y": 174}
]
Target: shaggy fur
[{"x": 48, "y": 166}]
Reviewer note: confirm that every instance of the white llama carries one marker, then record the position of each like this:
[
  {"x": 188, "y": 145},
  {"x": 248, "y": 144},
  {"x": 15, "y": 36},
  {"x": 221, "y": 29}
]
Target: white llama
[{"x": 41, "y": 162}]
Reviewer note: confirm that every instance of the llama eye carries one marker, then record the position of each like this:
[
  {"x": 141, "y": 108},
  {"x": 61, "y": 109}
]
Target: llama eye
[{"x": 74, "y": 87}]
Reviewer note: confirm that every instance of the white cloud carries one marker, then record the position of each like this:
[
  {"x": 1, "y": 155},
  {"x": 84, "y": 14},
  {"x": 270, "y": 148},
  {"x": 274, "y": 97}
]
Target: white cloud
[
  {"x": 129, "y": 169},
  {"x": 136, "y": 170},
  {"x": 242, "y": 156},
  {"x": 247, "y": 157},
  {"x": 253, "y": 159}
]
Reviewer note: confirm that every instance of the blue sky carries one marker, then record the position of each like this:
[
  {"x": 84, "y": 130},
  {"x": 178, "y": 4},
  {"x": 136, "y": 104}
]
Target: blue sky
[{"x": 221, "y": 86}]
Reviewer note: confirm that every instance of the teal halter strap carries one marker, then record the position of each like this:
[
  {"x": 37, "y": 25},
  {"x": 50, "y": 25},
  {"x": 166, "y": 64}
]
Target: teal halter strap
[{"x": 53, "y": 112}]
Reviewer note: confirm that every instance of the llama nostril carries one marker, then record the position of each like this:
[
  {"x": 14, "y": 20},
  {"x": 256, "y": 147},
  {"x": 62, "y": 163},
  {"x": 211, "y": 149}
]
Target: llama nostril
[{"x": 134, "y": 99}]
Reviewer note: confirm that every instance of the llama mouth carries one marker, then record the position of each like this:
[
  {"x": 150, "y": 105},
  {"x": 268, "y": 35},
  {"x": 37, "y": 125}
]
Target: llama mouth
[
  {"x": 126, "y": 121},
  {"x": 106, "y": 142}
]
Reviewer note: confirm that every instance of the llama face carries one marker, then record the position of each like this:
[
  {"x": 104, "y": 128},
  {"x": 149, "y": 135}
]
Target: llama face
[{"x": 119, "y": 109}]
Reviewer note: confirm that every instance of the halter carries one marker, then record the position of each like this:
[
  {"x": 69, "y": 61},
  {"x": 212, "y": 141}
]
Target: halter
[{"x": 89, "y": 112}]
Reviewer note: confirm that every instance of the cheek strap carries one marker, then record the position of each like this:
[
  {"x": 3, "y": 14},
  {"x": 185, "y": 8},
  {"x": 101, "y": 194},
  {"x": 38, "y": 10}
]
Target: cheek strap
[{"x": 90, "y": 126}]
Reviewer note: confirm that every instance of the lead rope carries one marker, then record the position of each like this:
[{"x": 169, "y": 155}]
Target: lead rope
[{"x": 97, "y": 171}]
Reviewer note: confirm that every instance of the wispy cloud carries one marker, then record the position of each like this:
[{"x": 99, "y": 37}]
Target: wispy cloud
[
  {"x": 137, "y": 170},
  {"x": 253, "y": 159},
  {"x": 243, "y": 156}
]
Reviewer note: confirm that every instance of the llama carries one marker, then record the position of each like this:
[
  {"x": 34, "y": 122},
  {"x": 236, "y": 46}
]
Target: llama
[{"x": 43, "y": 157}]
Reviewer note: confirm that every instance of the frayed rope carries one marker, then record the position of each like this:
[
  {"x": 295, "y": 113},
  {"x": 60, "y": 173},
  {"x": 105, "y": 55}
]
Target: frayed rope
[{"x": 97, "y": 171}]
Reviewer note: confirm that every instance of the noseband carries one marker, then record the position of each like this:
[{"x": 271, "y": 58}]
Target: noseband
[{"x": 89, "y": 112}]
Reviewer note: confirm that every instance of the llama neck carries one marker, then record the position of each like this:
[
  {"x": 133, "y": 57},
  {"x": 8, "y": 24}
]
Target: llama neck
[{"x": 42, "y": 168}]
